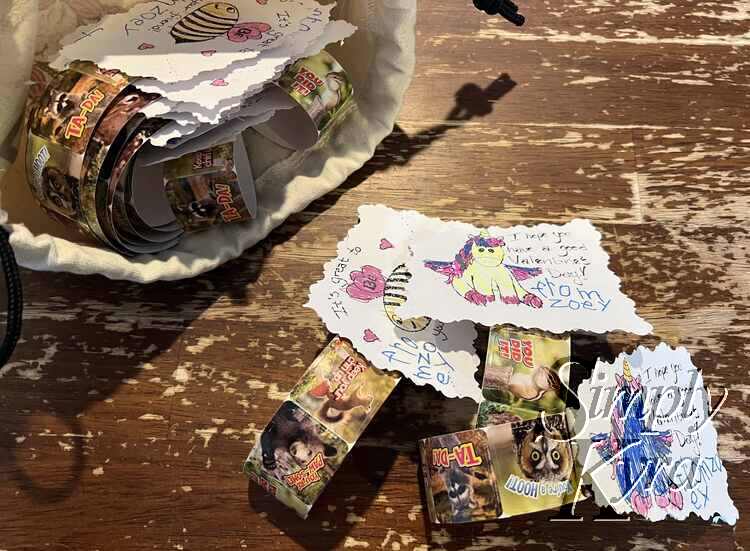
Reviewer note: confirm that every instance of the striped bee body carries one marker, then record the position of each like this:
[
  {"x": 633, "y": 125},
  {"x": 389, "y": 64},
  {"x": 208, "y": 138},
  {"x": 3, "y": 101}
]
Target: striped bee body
[
  {"x": 205, "y": 23},
  {"x": 394, "y": 295}
]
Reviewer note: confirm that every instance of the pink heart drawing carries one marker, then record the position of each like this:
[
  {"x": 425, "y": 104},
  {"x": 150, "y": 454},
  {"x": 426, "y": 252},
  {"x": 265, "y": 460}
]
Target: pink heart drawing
[
  {"x": 385, "y": 244},
  {"x": 370, "y": 336},
  {"x": 219, "y": 82},
  {"x": 251, "y": 30},
  {"x": 208, "y": 53},
  {"x": 145, "y": 46}
]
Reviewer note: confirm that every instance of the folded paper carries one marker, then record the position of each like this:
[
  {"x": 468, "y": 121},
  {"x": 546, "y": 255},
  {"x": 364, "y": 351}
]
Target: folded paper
[{"x": 102, "y": 154}]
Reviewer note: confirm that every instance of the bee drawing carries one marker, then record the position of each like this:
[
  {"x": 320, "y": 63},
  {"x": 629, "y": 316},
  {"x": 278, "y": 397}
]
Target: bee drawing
[{"x": 205, "y": 23}]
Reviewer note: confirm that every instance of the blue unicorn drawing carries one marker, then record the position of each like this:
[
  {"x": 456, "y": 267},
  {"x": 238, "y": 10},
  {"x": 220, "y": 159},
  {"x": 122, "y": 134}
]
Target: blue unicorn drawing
[{"x": 639, "y": 456}]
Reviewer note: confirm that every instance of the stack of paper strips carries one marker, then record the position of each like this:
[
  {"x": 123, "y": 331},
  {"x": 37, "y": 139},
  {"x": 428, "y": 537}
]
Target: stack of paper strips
[
  {"x": 407, "y": 289},
  {"x": 136, "y": 135}
]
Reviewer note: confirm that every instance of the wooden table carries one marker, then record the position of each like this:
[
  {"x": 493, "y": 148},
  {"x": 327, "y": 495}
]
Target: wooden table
[{"x": 127, "y": 410}]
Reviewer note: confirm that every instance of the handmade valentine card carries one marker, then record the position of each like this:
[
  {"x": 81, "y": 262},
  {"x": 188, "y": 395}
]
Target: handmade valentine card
[
  {"x": 174, "y": 40},
  {"x": 547, "y": 276},
  {"x": 358, "y": 299},
  {"x": 646, "y": 437}
]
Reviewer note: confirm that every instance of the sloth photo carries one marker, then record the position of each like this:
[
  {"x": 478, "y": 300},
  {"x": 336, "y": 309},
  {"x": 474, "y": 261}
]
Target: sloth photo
[
  {"x": 542, "y": 454},
  {"x": 59, "y": 190},
  {"x": 291, "y": 440}
]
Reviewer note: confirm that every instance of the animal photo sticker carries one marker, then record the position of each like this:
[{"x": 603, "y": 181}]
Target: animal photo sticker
[
  {"x": 493, "y": 413},
  {"x": 61, "y": 123},
  {"x": 320, "y": 85},
  {"x": 342, "y": 390},
  {"x": 74, "y": 101},
  {"x": 460, "y": 482},
  {"x": 550, "y": 277},
  {"x": 273, "y": 487},
  {"x": 299, "y": 452},
  {"x": 144, "y": 40},
  {"x": 534, "y": 464},
  {"x": 203, "y": 188},
  {"x": 360, "y": 295},
  {"x": 522, "y": 369},
  {"x": 647, "y": 439}
]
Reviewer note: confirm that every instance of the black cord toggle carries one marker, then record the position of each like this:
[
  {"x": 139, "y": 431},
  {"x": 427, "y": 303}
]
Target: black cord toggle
[
  {"x": 15, "y": 298},
  {"x": 506, "y": 8}
]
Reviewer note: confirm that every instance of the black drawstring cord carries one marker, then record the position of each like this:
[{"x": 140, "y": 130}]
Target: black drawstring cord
[
  {"x": 15, "y": 297},
  {"x": 506, "y": 8}
]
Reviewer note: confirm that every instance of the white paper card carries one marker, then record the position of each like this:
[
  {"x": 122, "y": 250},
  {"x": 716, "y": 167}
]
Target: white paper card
[
  {"x": 647, "y": 440},
  {"x": 174, "y": 40},
  {"x": 214, "y": 88},
  {"x": 549, "y": 277},
  {"x": 358, "y": 295}
]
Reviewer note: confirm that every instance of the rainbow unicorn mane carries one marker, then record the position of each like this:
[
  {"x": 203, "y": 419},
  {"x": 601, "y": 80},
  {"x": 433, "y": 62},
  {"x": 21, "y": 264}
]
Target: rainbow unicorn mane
[{"x": 464, "y": 257}]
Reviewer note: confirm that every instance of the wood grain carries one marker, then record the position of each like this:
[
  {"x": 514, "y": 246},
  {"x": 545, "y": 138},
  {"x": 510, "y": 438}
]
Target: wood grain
[{"x": 127, "y": 410}]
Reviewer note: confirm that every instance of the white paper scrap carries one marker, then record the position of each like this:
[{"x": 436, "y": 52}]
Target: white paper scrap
[
  {"x": 646, "y": 439},
  {"x": 550, "y": 277},
  {"x": 360, "y": 291},
  {"x": 175, "y": 40}
]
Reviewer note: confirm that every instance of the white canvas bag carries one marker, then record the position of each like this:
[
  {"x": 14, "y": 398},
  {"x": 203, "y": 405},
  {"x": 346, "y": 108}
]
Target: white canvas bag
[{"x": 379, "y": 59}]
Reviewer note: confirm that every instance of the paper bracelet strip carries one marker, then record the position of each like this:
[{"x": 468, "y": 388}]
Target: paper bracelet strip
[
  {"x": 320, "y": 89},
  {"x": 312, "y": 432},
  {"x": 500, "y": 471},
  {"x": 85, "y": 131},
  {"x": 522, "y": 369},
  {"x": 61, "y": 123},
  {"x": 204, "y": 188}
]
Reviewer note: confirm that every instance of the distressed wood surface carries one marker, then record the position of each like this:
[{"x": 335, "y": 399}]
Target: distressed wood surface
[{"x": 127, "y": 410}]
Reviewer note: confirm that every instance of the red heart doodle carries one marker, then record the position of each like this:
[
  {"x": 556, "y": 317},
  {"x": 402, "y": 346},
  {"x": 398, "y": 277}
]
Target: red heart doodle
[
  {"x": 248, "y": 31},
  {"x": 262, "y": 2},
  {"x": 208, "y": 53},
  {"x": 385, "y": 244},
  {"x": 219, "y": 82},
  {"x": 145, "y": 46},
  {"x": 369, "y": 336}
]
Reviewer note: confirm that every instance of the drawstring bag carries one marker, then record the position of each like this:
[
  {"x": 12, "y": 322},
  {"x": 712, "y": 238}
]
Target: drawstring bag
[{"x": 379, "y": 59}]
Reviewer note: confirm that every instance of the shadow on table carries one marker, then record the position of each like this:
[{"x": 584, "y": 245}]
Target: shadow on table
[
  {"x": 129, "y": 325},
  {"x": 346, "y": 499},
  {"x": 400, "y": 148}
]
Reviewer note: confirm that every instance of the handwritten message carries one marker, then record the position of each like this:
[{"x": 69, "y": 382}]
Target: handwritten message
[
  {"x": 358, "y": 299},
  {"x": 551, "y": 277},
  {"x": 152, "y": 38},
  {"x": 647, "y": 438}
]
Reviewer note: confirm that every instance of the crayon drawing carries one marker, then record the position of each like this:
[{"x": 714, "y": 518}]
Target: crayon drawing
[
  {"x": 545, "y": 276},
  {"x": 639, "y": 456},
  {"x": 480, "y": 275},
  {"x": 360, "y": 295}
]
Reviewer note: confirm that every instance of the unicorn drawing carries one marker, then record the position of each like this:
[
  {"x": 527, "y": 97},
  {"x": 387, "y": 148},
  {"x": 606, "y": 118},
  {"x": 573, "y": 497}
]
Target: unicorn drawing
[
  {"x": 639, "y": 456},
  {"x": 479, "y": 274}
]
